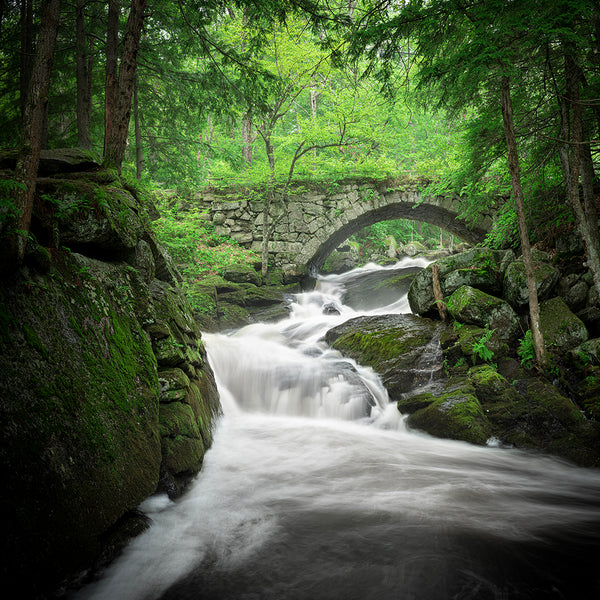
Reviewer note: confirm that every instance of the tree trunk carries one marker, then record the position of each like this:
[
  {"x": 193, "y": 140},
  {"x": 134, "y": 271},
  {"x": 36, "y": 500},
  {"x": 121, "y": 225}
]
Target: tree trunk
[
  {"x": 26, "y": 50},
  {"x": 517, "y": 192},
  {"x": 247, "y": 138},
  {"x": 31, "y": 137},
  {"x": 112, "y": 49},
  {"x": 268, "y": 202},
  {"x": 117, "y": 140},
  {"x": 578, "y": 164},
  {"x": 139, "y": 154},
  {"x": 437, "y": 293},
  {"x": 84, "y": 100}
]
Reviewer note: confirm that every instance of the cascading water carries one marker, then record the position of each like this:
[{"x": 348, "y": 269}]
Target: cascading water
[{"x": 314, "y": 490}]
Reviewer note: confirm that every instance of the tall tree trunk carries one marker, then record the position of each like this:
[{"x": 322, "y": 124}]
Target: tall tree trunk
[
  {"x": 139, "y": 154},
  {"x": 517, "y": 192},
  {"x": 117, "y": 141},
  {"x": 267, "y": 203},
  {"x": 26, "y": 51},
  {"x": 84, "y": 101},
  {"x": 112, "y": 54},
  {"x": 247, "y": 138},
  {"x": 313, "y": 108},
  {"x": 31, "y": 136},
  {"x": 579, "y": 164}
]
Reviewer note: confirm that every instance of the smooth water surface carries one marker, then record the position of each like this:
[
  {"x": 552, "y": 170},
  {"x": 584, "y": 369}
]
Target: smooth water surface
[{"x": 314, "y": 489}]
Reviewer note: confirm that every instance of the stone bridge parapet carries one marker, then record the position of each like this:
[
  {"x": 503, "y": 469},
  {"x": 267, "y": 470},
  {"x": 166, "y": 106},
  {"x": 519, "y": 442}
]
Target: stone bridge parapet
[{"x": 313, "y": 222}]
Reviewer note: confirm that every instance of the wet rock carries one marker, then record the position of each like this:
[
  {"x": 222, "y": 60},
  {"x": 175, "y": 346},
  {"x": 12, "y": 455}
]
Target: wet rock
[
  {"x": 331, "y": 309},
  {"x": 395, "y": 346},
  {"x": 378, "y": 288},
  {"x": 100, "y": 361},
  {"x": 540, "y": 417},
  {"x": 454, "y": 413}
]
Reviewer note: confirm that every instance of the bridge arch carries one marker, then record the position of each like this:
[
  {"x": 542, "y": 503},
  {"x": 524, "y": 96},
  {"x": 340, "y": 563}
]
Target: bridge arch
[
  {"x": 335, "y": 234},
  {"x": 317, "y": 220}
]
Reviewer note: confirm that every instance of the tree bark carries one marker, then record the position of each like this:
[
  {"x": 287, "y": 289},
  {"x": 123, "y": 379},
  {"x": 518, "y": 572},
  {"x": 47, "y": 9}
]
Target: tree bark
[
  {"x": 577, "y": 164},
  {"x": 117, "y": 140},
  {"x": 112, "y": 45},
  {"x": 31, "y": 137},
  {"x": 84, "y": 100},
  {"x": 517, "y": 192},
  {"x": 437, "y": 293},
  {"x": 26, "y": 51},
  {"x": 139, "y": 151},
  {"x": 247, "y": 138}
]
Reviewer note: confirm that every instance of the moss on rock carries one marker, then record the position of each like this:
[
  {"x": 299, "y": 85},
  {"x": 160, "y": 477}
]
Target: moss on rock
[
  {"x": 562, "y": 330},
  {"x": 454, "y": 413}
]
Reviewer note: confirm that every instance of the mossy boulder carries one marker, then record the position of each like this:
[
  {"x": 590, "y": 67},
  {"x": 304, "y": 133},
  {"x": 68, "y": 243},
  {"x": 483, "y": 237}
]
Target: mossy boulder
[
  {"x": 515, "y": 288},
  {"x": 474, "y": 307},
  {"x": 562, "y": 330},
  {"x": 490, "y": 386},
  {"x": 453, "y": 412},
  {"x": 541, "y": 418},
  {"x": 398, "y": 347},
  {"x": 466, "y": 342},
  {"x": 89, "y": 348},
  {"x": 481, "y": 268},
  {"x": 413, "y": 248},
  {"x": 242, "y": 273},
  {"x": 90, "y": 218}
]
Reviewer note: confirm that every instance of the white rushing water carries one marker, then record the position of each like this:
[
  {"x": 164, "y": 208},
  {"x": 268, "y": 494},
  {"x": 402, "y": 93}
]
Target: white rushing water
[{"x": 314, "y": 489}]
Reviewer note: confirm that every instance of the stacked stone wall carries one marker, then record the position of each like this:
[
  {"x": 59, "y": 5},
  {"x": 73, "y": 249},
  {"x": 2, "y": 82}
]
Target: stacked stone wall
[{"x": 313, "y": 222}]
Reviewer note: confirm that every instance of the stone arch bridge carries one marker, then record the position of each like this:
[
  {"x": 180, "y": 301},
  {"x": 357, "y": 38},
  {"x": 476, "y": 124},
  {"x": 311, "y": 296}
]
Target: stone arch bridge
[{"x": 315, "y": 222}]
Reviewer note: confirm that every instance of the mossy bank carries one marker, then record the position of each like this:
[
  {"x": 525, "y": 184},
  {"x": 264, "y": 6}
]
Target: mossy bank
[{"x": 105, "y": 392}]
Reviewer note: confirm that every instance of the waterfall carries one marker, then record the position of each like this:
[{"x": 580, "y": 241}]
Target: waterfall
[{"x": 314, "y": 489}]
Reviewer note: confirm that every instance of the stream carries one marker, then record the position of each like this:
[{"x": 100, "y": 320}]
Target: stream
[{"x": 314, "y": 489}]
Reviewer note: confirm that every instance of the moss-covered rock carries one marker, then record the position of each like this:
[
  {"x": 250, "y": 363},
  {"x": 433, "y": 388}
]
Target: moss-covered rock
[
  {"x": 242, "y": 273},
  {"x": 472, "y": 306},
  {"x": 454, "y": 413},
  {"x": 562, "y": 330},
  {"x": 82, "y": 343},
  {"x": 481, "y": 268},
  {"x": 472, "y": 343},
  {"x": 398, "y": 347},
  {"x": 543, "y": 419},
  {"x": 515, "y": 282},
  {"x": 490, "y": 386}
]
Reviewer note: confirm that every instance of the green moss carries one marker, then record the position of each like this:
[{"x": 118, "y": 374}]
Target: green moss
[
  {"x": 34, "y": 341},
  {"x": 455, "y": 414}
]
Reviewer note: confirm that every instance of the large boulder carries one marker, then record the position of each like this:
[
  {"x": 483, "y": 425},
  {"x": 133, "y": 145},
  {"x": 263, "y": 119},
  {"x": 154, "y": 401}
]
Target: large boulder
[
  {"x": 403, "y": 349},
  {"x": 516, "y": 292},
  {"x": 562, "y": 330},
  {"x": 481, "y": 268},
  {"x": 102, "y": 371},
  {"x": 453, "y": 412},
  {"x": 472, "y": 306}
]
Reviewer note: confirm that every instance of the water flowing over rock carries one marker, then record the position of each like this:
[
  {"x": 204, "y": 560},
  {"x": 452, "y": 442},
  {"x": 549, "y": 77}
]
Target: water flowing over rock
[
  {"x": 105, "y": 392},
  {"x": 393, "y": 345}
]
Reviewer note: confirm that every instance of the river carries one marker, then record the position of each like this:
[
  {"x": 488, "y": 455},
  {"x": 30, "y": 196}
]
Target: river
[{"x": 315, "y": 490}]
